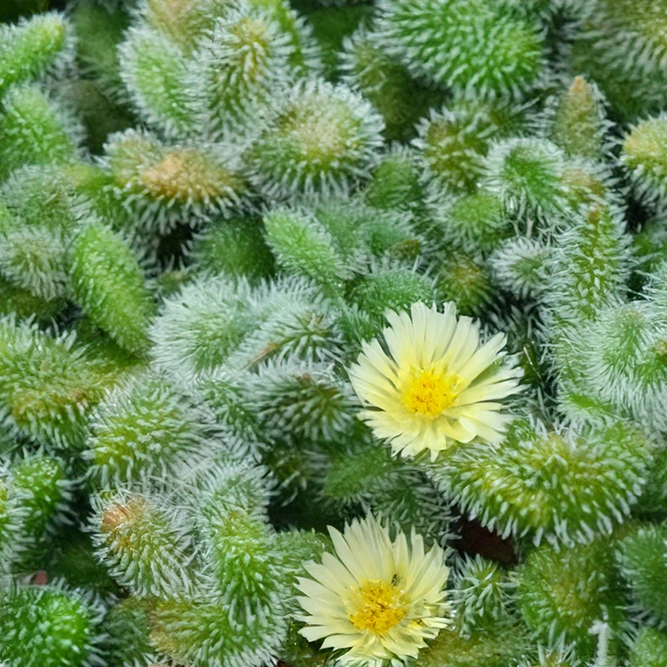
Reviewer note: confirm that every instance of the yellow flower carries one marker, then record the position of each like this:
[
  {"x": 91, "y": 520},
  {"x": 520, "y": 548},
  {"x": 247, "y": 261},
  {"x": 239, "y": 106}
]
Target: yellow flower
[
  {"x": 377, "y": 599},
  {"x": 435, "y": 384}
]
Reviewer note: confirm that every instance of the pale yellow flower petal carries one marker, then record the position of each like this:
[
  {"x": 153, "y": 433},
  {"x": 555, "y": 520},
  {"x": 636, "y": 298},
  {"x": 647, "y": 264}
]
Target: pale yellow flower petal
[
  {"x": 357, "y": 566},
  {"x": 487, "y": 392},
  {"x": 314, "y": 633},
  {"x": 463, "y": 343},
  {"x": 336, "y": 641},
  {"x": 330, "y": 566},
  {"x": 399, "y": 331},
  {"x": 486, "y": 428},
  {"x": 394, "y": 603},
  {"x": 456, "y": 430},
  {"x": 437, "y": 385},
  {"x": 481, "y": 359}
]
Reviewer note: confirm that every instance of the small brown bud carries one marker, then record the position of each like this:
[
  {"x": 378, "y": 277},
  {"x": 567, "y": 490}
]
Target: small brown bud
[{"x": 117, "y": 514}]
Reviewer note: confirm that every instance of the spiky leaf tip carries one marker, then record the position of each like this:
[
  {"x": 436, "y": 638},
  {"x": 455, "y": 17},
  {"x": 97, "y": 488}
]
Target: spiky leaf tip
[
  {"x": 650, "y": 649},
  {"x": 144, "y": 429},
  {"x": 109, "y": 284},
  {"x": 144, "y": 547},
  {"x": 48, "y": 626},
  {"x": 513, "y": 490},
  {"x": 565, "y": 594},
  {"x": 642, "y": 556},
  {"x": 36, "y": 129},
  {"x": 323, "y": 140},
  {"x": 167, "y": 183},
  {"x": 440, "y": 39}
]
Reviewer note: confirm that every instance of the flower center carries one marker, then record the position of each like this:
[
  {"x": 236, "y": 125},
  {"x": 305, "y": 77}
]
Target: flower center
[
  {"x": 430, "y": 394},
  {"x": 380, "y": 607}
]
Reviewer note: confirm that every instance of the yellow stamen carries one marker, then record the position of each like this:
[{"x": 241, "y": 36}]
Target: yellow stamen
[
  {"x": 429, "y": 394},
  {"x": 380, "y": 607}
]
